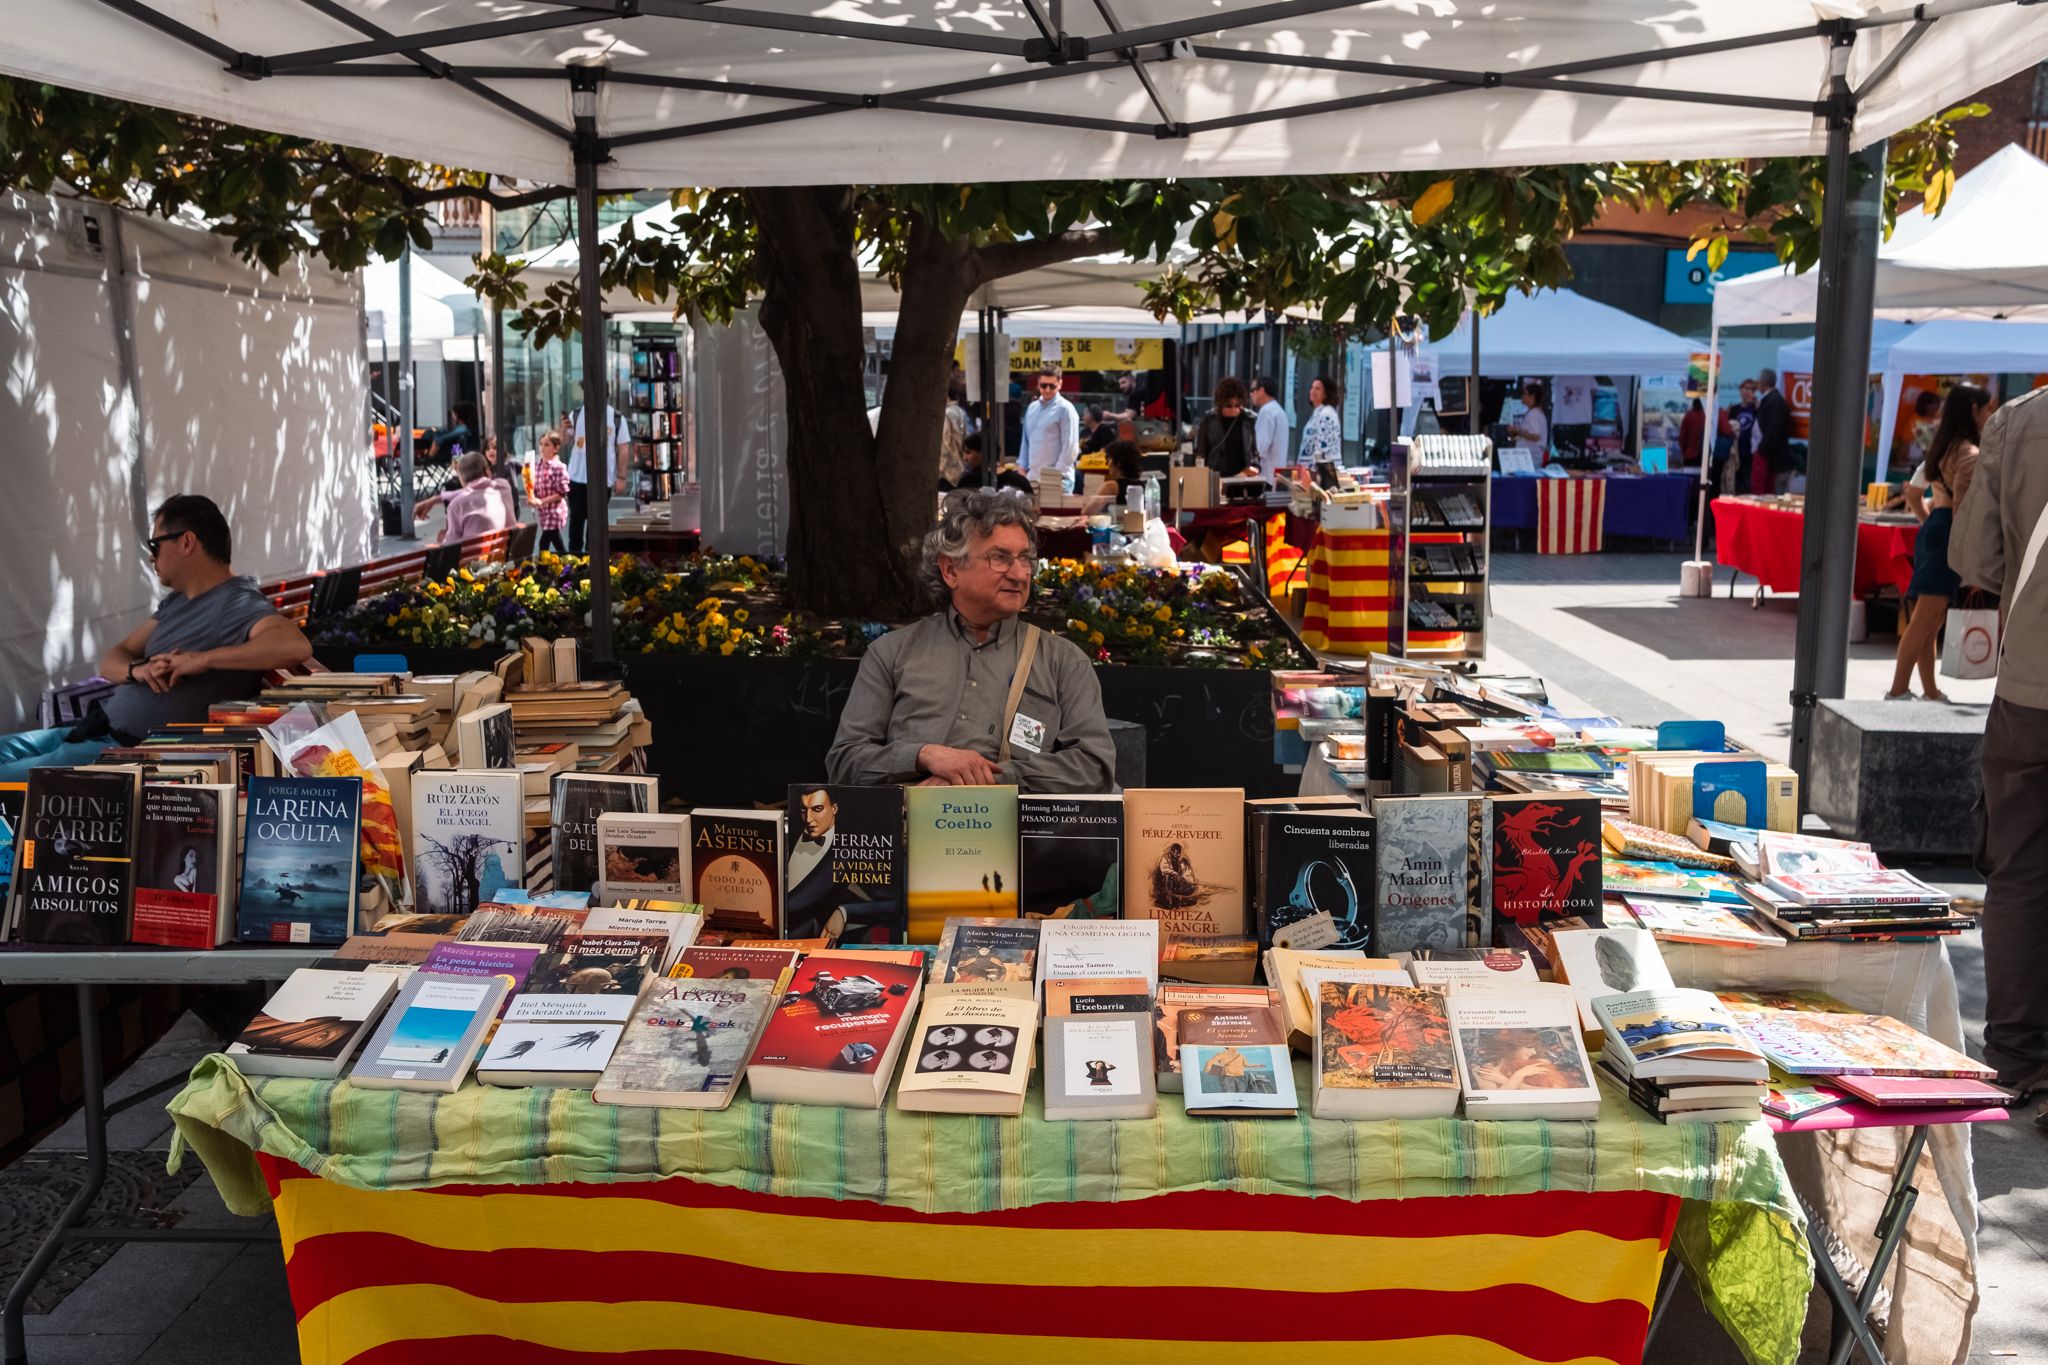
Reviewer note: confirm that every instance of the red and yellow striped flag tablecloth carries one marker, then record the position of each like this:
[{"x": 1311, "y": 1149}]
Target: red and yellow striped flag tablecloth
[
  {"x": 1571, "y": 516},
  {"x": 1349, "y": 593},
  {"x": 676, "y": 1270},
  {"x": 516, "y": 1226}
]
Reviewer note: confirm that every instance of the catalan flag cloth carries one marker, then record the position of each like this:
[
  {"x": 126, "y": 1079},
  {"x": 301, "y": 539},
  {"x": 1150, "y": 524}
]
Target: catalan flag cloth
[
  {"x": 1571, "y": 516},
  {"x": 532, "y": 1225},
  {"x": 1349, "y": 593}
]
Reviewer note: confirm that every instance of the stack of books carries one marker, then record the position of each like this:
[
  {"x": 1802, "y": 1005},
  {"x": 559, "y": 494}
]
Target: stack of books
[
  {"x": 1828, "y": 889},
  {"x": 1681, "y": 1056},
  {"x": 600, "y": 718},
  {"x": 1816, "y": 1041}
]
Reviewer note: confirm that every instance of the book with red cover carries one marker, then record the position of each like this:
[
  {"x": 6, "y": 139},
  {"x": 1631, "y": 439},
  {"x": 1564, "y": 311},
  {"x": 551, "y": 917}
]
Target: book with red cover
[
  {"x": 835, "y": 1037},
  {"x": 1924, "y": 1092},
  {"x": 1546, "y": 860}
]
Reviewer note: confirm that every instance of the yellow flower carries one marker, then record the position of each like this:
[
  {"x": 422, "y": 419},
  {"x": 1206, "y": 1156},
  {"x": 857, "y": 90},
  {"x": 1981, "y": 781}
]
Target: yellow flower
[
  {"x": 1165, "y": 613},
  {"x": 1095, "y": 638},
  {"x": 700, "y": 640},
  {"x": 740, "y": 615},
  {"x": 725, "y": 648},
  {"x": 1178, "y": 632}
]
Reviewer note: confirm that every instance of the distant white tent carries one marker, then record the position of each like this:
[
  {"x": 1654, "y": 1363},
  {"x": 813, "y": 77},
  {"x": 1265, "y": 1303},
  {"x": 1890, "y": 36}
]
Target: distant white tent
[
  {"x": 1796, "y": 357},
  {"x": 1558, "y": 331},
  {"x": 1983, "y": 256},
  {"x": 443, "y": 308},
  {"x": 1956, "y": 346}
]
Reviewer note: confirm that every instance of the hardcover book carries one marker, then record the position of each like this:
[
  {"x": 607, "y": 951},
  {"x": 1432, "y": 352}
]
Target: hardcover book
[
  {"x": 1098, "y": 1067},
  {"x": 688, "y": 1044},
  {"x": 431, "y": 1034},
  {"x": 835, "y": 1038},
  {"x": 468, "y": 838},
  {"x": 1184, "y": 860},
  {"x": 1070, "y": 856},
  {"x": 1382, "y": 1052},
  {"x": 186, "y": 862},
  {"x": 1310, "y": 861},
  {"x": 1099, "y": 948},
  {"x": 736, "y": 869},
  {"x": 313, "y": 1024},
  {"x": 970, "y": 1054},
  {"x": 847, "y": 864},
  {"x": 1430, "y": 874},
  {"x": 963, "y": 855},
  {"x": 1546, "y": 860},
  {"x": 299, "y": 873},
  {"x": 643, "y": 855},
  {"x": 1520, "y": 1054},
  {"x": 75, "y": 869},
  {"x": 998, "y": 953},
  {"x": 1251, "y": 1081},
  {"x": 577, "y": 800}
]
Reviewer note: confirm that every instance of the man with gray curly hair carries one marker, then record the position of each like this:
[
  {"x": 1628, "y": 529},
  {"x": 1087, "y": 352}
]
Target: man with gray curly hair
[{"x": 973, "y": 696}]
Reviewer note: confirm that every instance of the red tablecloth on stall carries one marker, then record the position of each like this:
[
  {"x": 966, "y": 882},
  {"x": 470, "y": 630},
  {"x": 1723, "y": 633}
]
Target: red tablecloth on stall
[
  {"x": 1765, "y": 542},
  {"x": 677, "y": 1270}
]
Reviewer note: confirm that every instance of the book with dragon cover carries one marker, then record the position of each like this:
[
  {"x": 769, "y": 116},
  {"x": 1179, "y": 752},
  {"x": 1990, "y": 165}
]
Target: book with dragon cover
[{"x": 1546, "y": 861}]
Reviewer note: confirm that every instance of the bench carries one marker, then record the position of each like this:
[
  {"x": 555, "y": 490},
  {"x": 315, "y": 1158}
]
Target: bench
[{"x": 294, "y": 597}]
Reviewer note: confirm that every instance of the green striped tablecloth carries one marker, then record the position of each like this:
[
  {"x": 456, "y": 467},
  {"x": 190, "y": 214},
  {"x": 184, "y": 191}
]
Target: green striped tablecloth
[{"x": 1740, "y": 1229}]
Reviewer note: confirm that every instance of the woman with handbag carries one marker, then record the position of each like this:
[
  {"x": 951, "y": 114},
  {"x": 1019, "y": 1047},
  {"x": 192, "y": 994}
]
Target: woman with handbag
[{"x": 1951, "y": 462}]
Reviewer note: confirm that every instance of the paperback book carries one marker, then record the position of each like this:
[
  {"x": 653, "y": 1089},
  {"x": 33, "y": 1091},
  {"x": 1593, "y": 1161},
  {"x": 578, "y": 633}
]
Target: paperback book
[
  {"x": 542, "y": 925},
  {"x": 1069, "y": 856},
  {"x": 1174, "y": 1000},
  {"x": 996, "y": 953},
  {"x": 484, "y": 738},
  {"x": 1520, "y": 1055},
  {"x": 1382, "y": 1052},
  {"x": 643, "y": 855},
  {"x": 970, "y": 1054},
  {"x": 736, "y": 869},
  {"x": 736, "y": 962},
  {"x": 1098, "y": 995},
  {"x": 510, "y": 962},
  {"x": 1230, "y": 1081},
  {"x": 1473, "y": 969},
  {"x": 299, "y": 871},
  {"x": 185, "y": 865},
  {"x": 468, "y": 838},
  {"x": 1677, "y": 921},
  {"x": 1099, "y": 948},
  {"x": 1287, "y": 971},
  {"x": 847, "y": 864},
  {"x": 313, "y": 1024},
  {"x": 962, "y": 855},
  {"x": 559, "y": 1039},
  {"x": 431, "y": 1034},
  {"x": 1676, "y": 1033},
  {"x": 1432, "y": 861},
  {"x": 586, "y": 963},
  {"x": 675, "y": 922},
  {"x": 1612, "y": 960},
  {"x": 835, "y": 1037},
  {"x": 13, "y": 802},
  {"x": 688, "y": 1044},
  {"x": 1184, "y": 860},
  {"x": 1828, "y": 1044},
  {"x": 1098, "y": 1066}
]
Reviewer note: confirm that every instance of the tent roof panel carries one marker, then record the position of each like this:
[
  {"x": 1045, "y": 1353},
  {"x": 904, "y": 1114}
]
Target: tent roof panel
[{"x": 1561, "y": 332}]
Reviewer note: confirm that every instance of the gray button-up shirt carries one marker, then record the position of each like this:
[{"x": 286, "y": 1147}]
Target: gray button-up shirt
[{"x": 930, "y": 683}]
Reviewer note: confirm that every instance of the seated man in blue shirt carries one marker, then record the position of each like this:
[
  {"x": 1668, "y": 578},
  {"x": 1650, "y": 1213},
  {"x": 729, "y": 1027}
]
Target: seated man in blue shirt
[{"x": 212, "y": 639}]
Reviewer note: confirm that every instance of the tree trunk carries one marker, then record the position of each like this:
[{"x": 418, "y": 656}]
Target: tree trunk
[{"x": 861, "y": 498}]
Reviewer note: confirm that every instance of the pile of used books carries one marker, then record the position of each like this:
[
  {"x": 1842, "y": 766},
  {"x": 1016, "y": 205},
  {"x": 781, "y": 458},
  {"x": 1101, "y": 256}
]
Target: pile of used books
[
  {"x": 1825, "y": 1055},
  {"x": 1814, "y": 888}
]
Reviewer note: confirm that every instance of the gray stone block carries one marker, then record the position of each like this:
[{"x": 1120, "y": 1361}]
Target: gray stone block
[
  {"x": 1900, "y": 775},
  {"x": 1129, "y": 739}
]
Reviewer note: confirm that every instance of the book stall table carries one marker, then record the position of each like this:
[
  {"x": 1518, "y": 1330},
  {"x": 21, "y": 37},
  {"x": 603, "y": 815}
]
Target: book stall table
[
  {"x": 1845, "y": 1175},
  {"x": 1649, "y": 506},
  {"x": 84, "y": 970},
  {"x": 1350, "y": 592},
  {"x": 533, "y": 1224},
  {"x": 1764, "y": 540}
]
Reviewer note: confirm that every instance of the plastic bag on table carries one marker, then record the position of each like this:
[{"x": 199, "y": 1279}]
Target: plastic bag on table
[{"x": 1153, "y": 549}]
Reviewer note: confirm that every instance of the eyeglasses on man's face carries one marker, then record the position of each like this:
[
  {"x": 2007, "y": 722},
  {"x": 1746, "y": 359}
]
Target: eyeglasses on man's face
[
  {"x": 1002, "y": 561},
  {"x": 1048, "y": 387},
  {"x": 151, "y": 546}
]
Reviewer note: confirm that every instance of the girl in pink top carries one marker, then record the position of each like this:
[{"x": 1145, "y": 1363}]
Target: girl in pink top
[{"x": 551, "y": 492}]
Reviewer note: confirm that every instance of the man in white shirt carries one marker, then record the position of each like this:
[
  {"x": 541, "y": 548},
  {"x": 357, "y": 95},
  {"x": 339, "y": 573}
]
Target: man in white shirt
[
  {"x": 1052, "y": 430},
  {"x": 1269, "y": 433},
  {"x": 579, "y": 470}
]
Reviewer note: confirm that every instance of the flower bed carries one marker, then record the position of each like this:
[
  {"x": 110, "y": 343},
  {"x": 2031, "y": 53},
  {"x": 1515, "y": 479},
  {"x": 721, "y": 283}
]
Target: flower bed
[{"x": 735, "y": 606}]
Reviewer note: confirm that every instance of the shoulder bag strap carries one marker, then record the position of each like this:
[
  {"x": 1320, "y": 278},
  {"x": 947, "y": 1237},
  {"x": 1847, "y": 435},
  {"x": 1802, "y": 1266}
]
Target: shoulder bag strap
[{"x": 1025, "y": 655}]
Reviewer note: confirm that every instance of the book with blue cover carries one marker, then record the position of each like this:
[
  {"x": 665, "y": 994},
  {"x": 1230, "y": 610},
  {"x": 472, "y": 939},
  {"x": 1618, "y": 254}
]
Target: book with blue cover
[{"x": 299, "y": 873}]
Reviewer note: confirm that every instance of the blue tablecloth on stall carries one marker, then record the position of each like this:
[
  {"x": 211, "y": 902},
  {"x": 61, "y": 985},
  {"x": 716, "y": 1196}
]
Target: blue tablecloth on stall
[{"x": 1653, "y": 506}]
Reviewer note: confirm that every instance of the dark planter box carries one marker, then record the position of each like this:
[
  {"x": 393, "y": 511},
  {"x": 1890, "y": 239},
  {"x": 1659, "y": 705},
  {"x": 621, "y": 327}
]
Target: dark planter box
[{"x": 737, "y": 732}]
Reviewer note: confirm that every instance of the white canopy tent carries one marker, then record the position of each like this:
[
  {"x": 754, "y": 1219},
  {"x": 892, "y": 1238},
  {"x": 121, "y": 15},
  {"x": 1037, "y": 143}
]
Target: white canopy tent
[
  {"x": 445, "y": 313},
  {"x": 1984, "y": 255},
  {"x": 1796, "y": 357},
  {"x": 919, "y": 91},
  {"x": 1956, "y": 346},
  {"x": 1557, "y": 331}
]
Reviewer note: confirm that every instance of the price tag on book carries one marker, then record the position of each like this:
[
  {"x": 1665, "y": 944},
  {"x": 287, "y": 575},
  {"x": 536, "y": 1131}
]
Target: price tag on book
[{"x": 1307, "y": 935}]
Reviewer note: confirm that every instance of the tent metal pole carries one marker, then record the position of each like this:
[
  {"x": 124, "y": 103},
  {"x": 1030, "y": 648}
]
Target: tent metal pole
[
  {"x": 501, "y": 403},
  {"x": 1712, "y": 434},
  {"x": 597, "y": 427},
  {"x": 1473, "y": 412},
  {"x": 1851, "y": 214},
  {"x": 134, "y": 436},
  {"x": 409, "y": 529}
]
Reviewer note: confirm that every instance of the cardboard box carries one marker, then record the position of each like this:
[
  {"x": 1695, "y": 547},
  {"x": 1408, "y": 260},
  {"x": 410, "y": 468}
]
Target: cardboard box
[{"x": 1190, "y": 488}]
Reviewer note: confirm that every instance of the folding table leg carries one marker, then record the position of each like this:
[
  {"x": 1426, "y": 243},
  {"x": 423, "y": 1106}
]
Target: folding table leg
[
  {"x": 1853, "y": 1314},
  {"x": 11, "y": 1330}
]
